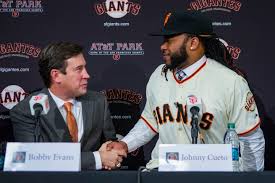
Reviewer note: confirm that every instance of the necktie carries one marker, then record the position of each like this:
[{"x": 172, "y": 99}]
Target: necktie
[{"x": 71, "y": 122}]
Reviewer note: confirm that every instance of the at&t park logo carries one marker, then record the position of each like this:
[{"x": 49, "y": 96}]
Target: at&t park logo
[
  {"x": 15, "y": 7},
  {"x": 117, "y": 9},
  {"x": 11, "y": 95},
  {"x": 18, "y": 50},
  {"x": 216, "y": 5},
  {"x": 116, "y": 49},
  {"x": 234, "y": 51}
]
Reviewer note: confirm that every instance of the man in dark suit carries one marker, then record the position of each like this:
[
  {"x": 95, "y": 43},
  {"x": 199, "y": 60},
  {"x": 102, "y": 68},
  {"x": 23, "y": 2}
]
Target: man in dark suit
[{"x": 75, "y": 115}]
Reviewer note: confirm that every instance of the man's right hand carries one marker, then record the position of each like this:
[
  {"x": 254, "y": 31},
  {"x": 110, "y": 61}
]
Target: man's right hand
[
  {"x": 118, "y": 146},
  {"x": 110, "y": 159}
]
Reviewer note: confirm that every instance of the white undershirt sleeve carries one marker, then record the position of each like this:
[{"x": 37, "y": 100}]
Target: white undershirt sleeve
[
  {"x": 253, "y": 148},
  {"x": 138, "y": 136},
  {"x": 98, "y": 163}
]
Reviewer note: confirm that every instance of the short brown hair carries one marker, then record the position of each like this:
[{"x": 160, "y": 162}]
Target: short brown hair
[{"x": 54, "y": 56}]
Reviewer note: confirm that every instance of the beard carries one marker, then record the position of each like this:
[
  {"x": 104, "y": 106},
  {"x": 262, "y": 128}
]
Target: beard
[{"x": 178, "y": 59}]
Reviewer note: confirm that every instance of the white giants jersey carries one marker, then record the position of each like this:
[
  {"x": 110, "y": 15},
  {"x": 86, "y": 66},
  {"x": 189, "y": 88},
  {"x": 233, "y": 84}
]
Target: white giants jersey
[{"x": 225, "y": 97}]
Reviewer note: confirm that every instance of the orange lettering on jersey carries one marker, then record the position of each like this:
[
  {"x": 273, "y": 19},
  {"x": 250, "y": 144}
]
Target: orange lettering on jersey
[
  {"x": 206, "y": 121},
  {"x": 181, "y": 115},
  {"x": 167, "y": 113},
  {"x": 155, "y": 115},
  {"x": 159, "y": 117}
]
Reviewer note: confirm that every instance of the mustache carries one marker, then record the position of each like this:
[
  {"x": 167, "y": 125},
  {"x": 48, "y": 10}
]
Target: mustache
[{"x": 165, "y": 53}]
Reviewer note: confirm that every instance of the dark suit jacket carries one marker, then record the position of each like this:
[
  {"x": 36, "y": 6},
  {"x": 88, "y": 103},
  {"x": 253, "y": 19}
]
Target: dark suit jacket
[{"x": 96, "y": 120}]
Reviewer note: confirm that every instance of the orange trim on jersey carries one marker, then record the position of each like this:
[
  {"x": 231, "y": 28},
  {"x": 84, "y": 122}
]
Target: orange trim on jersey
[
  {"x": 180, "y": 82},
  {"x": 148, "y": 124},
  {"x": 248, "y": 131}
]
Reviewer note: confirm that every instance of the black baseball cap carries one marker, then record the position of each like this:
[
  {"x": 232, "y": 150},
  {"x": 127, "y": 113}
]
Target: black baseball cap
[{"x": 191, "y": 22}]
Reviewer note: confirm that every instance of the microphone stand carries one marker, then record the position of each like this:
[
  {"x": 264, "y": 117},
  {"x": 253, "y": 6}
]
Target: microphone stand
[
  {"x": 37, "y": 126},
  {"x": 194, "y": 129}
]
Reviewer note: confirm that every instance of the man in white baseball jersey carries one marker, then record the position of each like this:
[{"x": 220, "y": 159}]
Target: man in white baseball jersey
[{"x": 197, "y": 66}]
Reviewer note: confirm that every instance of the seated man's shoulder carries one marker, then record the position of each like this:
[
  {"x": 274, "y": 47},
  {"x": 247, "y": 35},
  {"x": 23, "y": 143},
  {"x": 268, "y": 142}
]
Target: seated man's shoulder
[{"x": 26, "y": 100}]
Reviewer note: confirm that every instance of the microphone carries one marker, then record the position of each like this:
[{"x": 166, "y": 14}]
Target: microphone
[
  {"x": 194, "y": 113},
  {"x": 39, "y": 104},
  {"x": 194, "y": 107}
]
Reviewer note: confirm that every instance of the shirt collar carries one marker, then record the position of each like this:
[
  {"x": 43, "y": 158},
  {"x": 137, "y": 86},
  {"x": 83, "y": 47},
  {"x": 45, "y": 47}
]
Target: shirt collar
[
  {"x": 192, "y": 68},
  {"x": 59, "y": 102}
]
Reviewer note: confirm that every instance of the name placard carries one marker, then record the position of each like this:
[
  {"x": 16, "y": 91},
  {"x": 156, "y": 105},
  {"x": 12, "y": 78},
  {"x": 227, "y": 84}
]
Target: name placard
[
  {"x": 42, "y": 157},
  {"x": 195, "y": 157}
]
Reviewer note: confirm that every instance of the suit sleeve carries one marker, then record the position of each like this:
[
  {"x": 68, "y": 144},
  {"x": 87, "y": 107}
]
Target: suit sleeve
[
  {"x": 23, "y": 123},
  {"x": 88, "y": 161},
  {"x": 87, "y": 158}
]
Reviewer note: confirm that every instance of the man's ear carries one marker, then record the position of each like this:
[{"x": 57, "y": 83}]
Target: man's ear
[
  {"x": 56, "y": 76},
  {"x": 194, "y": 43}
]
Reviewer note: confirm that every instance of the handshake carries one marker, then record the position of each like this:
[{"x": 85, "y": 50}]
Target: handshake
[{"x": 112, "y": 153}]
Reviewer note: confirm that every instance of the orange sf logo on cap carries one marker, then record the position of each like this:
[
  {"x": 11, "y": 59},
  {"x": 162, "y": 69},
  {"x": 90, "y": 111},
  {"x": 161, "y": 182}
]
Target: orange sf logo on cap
[{"x": 166, "y": 18}]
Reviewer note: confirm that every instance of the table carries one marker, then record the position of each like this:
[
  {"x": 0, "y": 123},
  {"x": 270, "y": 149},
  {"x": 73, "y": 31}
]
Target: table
[{"x": 132, "y": 177}]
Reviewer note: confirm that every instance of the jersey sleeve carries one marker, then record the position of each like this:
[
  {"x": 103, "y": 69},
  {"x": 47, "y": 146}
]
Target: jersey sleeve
[
  {"x": 148, "y": 118},
  {"x": 148, "y": 113},
  {"x": 243, "y": 110}
]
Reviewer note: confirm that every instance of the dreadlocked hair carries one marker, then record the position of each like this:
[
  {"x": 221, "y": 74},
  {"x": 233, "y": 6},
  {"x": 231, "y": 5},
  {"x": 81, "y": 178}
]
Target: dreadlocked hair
[
  {"x": 164, "y": 70},
  {"x": 216, "y": 50}
]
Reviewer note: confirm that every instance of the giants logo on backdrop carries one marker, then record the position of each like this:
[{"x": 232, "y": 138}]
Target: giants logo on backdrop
[
  {"x": 116, "y": 49},
  {"x": 215, "y": 5},
  {"x": 17, "y": 49},
  {"x": 234, "y": 51},
  {"x": 124, "y": 96},
  {"x": 227, "y": 6},
  {"x": 11, "y": 95},
  {"x": 15, "y": 7},
  {"x": 117, "y": 9}
]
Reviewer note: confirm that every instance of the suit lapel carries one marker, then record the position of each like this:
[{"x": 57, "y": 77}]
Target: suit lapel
[
  {"x": 60, "y": 130},
  {"x": 88, "y": 109}
]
